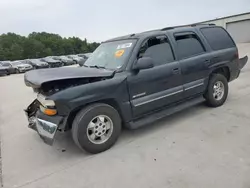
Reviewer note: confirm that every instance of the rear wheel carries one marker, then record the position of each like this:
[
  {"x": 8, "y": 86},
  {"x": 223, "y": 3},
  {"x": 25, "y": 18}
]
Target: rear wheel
[
  {"x": 96, "y": 128},
  {"x": 217, "y": 90}
]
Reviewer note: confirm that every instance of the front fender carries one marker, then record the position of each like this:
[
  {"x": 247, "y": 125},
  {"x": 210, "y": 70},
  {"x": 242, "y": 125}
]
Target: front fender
[{"x": 76, "y": 97}]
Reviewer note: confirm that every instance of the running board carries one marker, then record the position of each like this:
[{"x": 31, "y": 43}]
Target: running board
[{"x": 165, "y": 112}]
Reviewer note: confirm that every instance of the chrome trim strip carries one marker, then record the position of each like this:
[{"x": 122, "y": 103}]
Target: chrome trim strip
[
  {"x": 139, "y": 95},
  {"x": 170, "y": 94},
  {"x": 191, "y": 87}
]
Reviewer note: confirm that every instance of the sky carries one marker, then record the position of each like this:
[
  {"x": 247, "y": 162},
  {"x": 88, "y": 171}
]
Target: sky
[{"x": 99, "y": 20}]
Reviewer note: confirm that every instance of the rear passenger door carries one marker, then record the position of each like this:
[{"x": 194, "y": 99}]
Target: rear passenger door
[{"x": 194, "y": 61}]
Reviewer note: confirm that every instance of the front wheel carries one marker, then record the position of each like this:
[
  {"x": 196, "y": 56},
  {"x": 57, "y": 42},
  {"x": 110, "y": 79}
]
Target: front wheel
[
  {"x": 96, "y": 128},
  {"x": 217, "y": 90},
  {"x": 17, "y": 71}
]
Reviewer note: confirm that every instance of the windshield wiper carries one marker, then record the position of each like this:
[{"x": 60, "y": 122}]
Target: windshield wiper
[{"x": 97, "y": 66}]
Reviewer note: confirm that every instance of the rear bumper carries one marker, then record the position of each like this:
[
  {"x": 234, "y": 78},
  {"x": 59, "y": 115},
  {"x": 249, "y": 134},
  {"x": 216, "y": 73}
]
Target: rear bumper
[
  {"x": 243, "y": 62},
  {"x": 45, "y": 126},
  {"x": 25, "y": 69},
  {"x": 235, "y": 71}
]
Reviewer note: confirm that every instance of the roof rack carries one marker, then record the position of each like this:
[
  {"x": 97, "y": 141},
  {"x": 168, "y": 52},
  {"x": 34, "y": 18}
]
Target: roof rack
[
  {"x": 167, "y": 28},
  {"x": 192, "y": 25}
]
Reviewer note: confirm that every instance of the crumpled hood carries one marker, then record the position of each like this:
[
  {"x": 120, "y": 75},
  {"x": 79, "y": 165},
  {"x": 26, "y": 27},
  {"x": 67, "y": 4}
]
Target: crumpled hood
[{"x": 36, "y": 78}]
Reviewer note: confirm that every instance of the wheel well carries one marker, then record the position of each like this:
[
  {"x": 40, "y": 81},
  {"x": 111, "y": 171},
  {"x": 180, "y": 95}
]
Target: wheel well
[
  {"x": 224, "y": 71},
  {"x": 73, "y": 114}
]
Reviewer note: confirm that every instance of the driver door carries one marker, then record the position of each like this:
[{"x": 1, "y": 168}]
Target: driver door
[{"x": 157, "y": 87}]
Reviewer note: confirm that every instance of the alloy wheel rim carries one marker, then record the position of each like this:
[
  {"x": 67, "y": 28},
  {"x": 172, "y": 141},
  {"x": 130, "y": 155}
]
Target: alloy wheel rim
[
  {"x": 218, "y": 90},
  {"x": 100, "y": 129}
]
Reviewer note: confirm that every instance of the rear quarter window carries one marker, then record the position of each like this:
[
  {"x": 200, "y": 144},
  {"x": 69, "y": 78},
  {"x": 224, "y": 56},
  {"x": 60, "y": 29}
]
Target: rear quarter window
[
  {"x": 188, "y": 45},
  {"x": 217, "y": 38}
]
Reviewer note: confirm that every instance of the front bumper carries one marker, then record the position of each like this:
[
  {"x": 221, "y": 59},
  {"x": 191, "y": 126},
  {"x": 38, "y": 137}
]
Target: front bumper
[
  {"x": 46, "y": 126},
  {"x": 24, "y": 69},
  {"x": 3, "y": 72}
]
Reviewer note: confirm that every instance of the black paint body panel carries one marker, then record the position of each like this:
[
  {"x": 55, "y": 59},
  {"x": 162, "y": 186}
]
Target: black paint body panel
[{"x": 139, "y": 93}]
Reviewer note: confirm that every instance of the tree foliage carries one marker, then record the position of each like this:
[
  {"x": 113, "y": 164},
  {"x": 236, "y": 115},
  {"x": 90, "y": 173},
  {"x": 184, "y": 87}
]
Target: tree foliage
[{"x": 37, "y": 45}]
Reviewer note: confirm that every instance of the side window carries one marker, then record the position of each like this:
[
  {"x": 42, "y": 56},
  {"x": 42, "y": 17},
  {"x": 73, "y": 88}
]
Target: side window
[
  {"x": 217, "y": 38},
  {"x": 188, "y": 45},
  {"x": 158, "y": 48}
]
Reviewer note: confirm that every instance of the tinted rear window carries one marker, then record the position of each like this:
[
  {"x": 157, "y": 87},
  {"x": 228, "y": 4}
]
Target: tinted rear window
[
  {"x": 217, "y": 38},
  {"x": 188, "y": 45}
]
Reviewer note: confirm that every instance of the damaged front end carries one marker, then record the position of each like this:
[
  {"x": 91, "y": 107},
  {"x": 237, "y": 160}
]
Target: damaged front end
[
  {"x": 43, "y": 114},
  {"x": 45, "y": 125}
]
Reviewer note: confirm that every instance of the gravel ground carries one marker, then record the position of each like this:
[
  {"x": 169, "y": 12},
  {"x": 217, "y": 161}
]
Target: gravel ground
[{"x": 198, "y": 147}]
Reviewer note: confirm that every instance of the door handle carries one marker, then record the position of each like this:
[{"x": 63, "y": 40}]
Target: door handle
[{"x": 176, "y": 70}]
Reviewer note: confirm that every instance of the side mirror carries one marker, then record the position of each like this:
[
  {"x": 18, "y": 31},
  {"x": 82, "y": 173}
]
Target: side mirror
[{"x": 144, "y": 63}]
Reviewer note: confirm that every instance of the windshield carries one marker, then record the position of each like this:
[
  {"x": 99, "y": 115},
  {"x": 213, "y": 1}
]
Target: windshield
[
  {"x": 36, "y": 61},
  {"x": 111, "y": 55},
  {"x": 49, "y": 59},
  {"x": 16, "y": 63},
  {"x": 63, "y": 57},
  {"x": 5, "y": 63}
]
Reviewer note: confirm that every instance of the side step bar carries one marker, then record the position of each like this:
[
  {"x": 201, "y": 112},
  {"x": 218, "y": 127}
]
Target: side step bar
[{"x": 165, "y": 112}]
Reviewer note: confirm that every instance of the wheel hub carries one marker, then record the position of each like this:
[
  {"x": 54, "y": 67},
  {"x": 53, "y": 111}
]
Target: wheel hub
[
  {"x": 218, "y": 90},
  {"x": 100, "y": 129}
]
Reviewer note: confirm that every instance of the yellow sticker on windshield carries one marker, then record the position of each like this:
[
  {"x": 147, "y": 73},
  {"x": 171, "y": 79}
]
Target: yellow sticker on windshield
[{"x": 119, "y": 53}]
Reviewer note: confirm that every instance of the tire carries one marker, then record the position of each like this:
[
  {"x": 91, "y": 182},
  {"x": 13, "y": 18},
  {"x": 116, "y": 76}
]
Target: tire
[
  {"x": 82, "y": 135},
  {"x": 213, "y": 98},
  {"x": 17, "y": 71}
]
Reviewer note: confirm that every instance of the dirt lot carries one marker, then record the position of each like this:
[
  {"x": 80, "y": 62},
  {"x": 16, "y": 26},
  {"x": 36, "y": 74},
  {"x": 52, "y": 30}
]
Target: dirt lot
[{"x": 199, "y": 147}]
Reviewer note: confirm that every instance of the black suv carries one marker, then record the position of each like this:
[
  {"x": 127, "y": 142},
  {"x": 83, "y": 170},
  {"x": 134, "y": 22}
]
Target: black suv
[{"x": 132, "y": 81}]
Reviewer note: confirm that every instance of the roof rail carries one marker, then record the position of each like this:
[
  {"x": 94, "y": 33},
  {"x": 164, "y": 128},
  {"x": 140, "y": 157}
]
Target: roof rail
[
  {"x": 167, "y": 28},
  {"x": 192, "y": 25}
]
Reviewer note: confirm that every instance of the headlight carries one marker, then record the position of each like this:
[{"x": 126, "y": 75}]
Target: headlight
[
  {"x": 47, "y": 106},
  {"x": 44, "y": 102}
]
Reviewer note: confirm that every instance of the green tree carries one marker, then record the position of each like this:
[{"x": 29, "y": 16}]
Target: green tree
[
  {"x": 41, "y": 44},
  {"x": 16, "y": 52}
]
